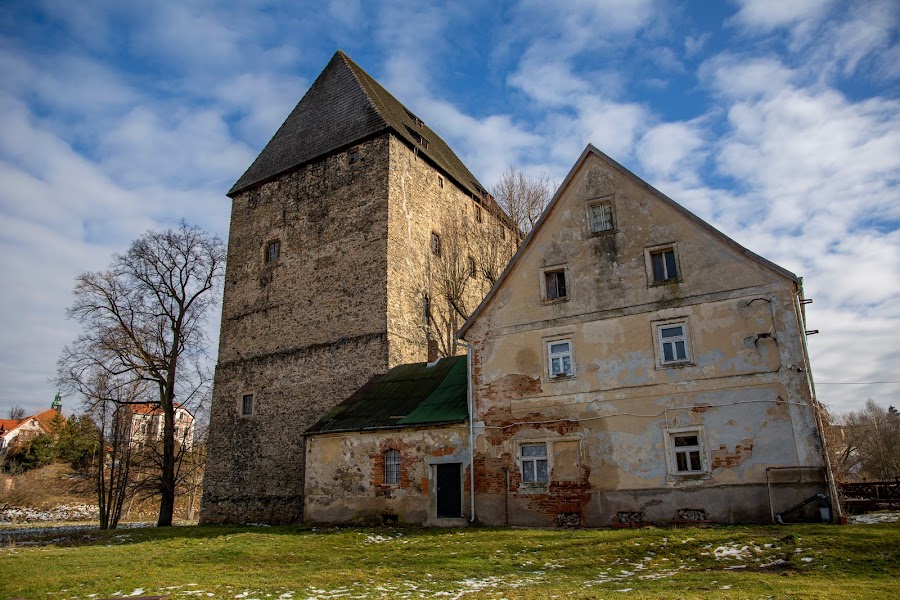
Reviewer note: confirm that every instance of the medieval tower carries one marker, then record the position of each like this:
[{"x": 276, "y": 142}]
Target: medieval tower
[{"x": 358, "y": 241}]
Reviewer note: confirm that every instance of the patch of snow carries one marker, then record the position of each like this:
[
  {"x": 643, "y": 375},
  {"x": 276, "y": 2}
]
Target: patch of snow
[
  {"x": 875, "y": 518},
  {"x": 64, "y": 512},
  {"x": 730, "y": 552},
  {"x": 807, "y": 559}
]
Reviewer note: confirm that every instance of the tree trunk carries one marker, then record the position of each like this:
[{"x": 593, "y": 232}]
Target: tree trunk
[{"x": 167, "y": 482}]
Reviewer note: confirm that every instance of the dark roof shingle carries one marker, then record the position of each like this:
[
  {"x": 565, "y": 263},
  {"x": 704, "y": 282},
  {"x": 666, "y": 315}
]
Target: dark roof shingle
[{"x": 343, "y": 106}]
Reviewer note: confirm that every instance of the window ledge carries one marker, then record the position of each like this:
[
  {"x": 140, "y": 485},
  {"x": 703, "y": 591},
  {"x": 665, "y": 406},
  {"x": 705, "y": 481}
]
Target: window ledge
[
  {"x": 532, "y": 487},
  {"x": 666, "y": 282},
  {"x": 603, "y": 233},
  {"x": 545, "y": 302},
  {"x": 677, "y": 365},
  {"x": 561, "y": 378},
  {"x": 685, "y": 477}
]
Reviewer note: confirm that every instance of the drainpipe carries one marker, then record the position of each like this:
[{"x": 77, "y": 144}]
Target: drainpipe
[
  {"x": 837, "y": 510},
  {"x": 470, "y": 405}
]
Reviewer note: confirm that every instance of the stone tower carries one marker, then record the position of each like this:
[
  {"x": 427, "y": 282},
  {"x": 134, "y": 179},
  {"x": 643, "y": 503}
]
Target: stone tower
[{"x": 341, "y": 232}]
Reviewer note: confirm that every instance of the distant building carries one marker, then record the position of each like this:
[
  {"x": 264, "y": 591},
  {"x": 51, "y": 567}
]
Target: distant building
[
  {"x": 14, "y": 432},
  {"x": 147, "y": 422}
]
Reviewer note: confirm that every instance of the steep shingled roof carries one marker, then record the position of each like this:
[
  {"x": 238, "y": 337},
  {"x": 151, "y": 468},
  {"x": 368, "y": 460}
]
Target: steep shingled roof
[
  {"x": 406, "y": 396},
  {"x": 343, "y": 106}
]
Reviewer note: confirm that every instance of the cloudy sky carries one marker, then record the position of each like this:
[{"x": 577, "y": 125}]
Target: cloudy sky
[{"x": 778, "y": 121}]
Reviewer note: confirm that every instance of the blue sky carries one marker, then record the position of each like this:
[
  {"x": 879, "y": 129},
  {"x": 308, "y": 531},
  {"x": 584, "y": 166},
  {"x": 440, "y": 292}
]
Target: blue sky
[{"x": 778, "y": 121}]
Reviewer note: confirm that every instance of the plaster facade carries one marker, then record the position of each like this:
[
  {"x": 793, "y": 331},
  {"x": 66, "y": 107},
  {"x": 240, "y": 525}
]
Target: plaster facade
[
  {"x": 686, "y": 390},
  {"x": 345, "y": 478}
]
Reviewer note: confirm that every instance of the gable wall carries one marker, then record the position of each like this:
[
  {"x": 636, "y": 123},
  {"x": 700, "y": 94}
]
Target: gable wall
[{"x": 748, "y": 396}]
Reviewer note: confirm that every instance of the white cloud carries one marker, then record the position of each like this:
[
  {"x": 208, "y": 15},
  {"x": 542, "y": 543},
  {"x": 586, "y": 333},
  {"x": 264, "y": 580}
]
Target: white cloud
[
  {"x": 766, "y": 15},
  {"x": 736, "y": 76},
  {"x": 673, "y": 150},
  {"x": 576, "y": 25}
]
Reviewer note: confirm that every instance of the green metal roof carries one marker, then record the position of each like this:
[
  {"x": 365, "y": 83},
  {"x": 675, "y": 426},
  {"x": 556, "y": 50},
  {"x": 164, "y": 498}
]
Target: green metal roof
[{"x": 406, "y": 396}]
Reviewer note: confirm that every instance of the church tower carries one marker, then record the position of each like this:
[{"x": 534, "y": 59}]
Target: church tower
[{"x": 346, "y": 234}]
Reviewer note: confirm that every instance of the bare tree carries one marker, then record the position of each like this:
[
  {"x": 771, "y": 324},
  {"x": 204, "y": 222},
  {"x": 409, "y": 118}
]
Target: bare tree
[
  {"x": 113, "y": 474},
  {"x": 871, "y": 442},
  {"x": 16, "y": 413},
  {"x": 523, "y": 197},
  {"x": 143, "y": 322}
]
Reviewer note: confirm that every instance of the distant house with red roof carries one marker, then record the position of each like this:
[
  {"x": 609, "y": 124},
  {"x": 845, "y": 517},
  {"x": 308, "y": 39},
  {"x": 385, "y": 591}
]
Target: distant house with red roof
[
  {"x": 148, "y": 420},
  {"x": 19, "y": 431}
]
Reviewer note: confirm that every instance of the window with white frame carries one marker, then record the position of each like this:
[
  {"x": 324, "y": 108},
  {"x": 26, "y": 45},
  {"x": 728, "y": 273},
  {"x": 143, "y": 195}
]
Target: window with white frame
[
  {"x": 559, "y": 358},
  {"x": 601, "y": 217},
  {"x": 673, "y": 343},
  {"x": 534, "y": 463},
  {"x": 555, "y": 285},
  {"x": 392, "y": 467},
  {"x": 687, "y": 452}
]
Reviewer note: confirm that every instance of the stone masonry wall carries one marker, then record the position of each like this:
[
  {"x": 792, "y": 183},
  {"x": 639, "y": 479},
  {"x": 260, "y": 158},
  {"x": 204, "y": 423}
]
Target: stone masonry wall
[
  {"x": 301, "y": 333},
  {"x": 424, "y": 201}
]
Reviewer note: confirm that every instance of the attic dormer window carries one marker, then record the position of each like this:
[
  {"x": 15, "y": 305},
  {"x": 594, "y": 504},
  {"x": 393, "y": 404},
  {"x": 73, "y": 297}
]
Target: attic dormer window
[
  {"x": 418, "y": 137},
  {"x": 419, "y": 122}
]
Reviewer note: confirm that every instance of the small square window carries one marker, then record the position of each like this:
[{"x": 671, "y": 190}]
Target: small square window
[
  {"x": 435, "y": 244},
  {"x": 534, "y": 463},
  {"x": 664, "y": 266},
  {"x": 478, "y": 217},
  {"x": 559, "y": 358},
  {"x": 601, "y": 217},
  {"x": 392, "y": 467},
  {"x": 687, "y": 453},
  {"x": 247, "y": 404},
  {"x": 273, "y": 251},
  {"x": 352, "y": 156},
  {"x": 502, "y": 231},
  {"x": 555, "y": 282},
  {"x": 440, "y": 182},
  {"x": 673, "y": 343},
  {"x": 472, "y": 270}
]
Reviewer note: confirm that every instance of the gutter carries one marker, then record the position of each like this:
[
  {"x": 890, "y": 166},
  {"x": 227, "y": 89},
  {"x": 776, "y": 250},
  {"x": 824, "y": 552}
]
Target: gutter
[
  {"x": 470, "y": 405},
  {"x": 837, "y": 511}
]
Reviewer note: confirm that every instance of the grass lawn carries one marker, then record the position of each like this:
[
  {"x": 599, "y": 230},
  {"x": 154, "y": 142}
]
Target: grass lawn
[{"x": 809, "y": 561}]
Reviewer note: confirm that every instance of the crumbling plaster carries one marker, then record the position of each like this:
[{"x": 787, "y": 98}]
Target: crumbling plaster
[
  {"x": 345, "y": 474},
  {"x": 744, "y": 388}
]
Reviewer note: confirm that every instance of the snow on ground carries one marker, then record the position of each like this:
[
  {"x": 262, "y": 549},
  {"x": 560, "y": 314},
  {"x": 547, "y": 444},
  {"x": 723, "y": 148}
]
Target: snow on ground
[
  {"x": 874, "y": 518},
  {"x": 66, "y": 512}
]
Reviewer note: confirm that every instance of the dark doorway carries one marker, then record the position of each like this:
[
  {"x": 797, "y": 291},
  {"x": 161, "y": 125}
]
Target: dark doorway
[{"x": 449, "y": 491}]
